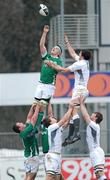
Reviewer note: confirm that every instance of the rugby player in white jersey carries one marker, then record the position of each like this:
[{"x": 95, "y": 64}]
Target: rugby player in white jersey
[
  {"x": 53, "y": 157},
  {"x": 81, "y": 75},
  {"x": 97, "y": 155}
]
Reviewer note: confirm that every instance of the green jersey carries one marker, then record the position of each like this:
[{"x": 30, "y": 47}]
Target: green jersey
[
  {"x": 48, "y": 74},
  {"x": 45, "y": 144},
  {"x": 29, "y": 139},
  {"x": 29, "y": 142},
  {"x": 30, "y": 129}
]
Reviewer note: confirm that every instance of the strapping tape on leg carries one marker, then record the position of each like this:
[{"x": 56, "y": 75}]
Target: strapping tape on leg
[
  {"x": 43, "y": 102},
  {"x": 40, "y": 102},
  {"x": 36, "y": 101}
]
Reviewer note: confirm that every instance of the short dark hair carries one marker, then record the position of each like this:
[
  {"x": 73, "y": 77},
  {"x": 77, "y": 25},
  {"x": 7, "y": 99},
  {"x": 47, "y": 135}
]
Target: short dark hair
[
  {"x": 99, "y": 117},
  {"x": 86, "y": 54},
  {"x": 16, "y": 128}
]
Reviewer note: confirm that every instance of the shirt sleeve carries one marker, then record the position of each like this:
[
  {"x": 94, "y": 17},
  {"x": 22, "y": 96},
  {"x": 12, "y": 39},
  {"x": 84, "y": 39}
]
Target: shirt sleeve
[
  {"x": 53, "y": 127},
  {"x": 94, "y": 125},
  {"x": 75, "y": 66},
  {"x": 27, "y": 130},
  {"x": 44, "y": 56}
]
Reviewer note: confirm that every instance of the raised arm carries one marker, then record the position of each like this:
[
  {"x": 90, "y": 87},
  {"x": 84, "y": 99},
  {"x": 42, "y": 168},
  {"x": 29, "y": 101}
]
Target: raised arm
[
  {"x": 43, "y": 49},
  {"x": 50, "y": 110},
  {"x": 70, "y": 48},
  {"x": 30, "y": 113},
  {"x": 83, "y": 109},
  {"x": 66, "y": 117}
]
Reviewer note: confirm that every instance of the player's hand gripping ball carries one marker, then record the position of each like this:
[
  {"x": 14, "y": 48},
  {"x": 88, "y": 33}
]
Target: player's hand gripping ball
[{"x": 43, "y": 10}]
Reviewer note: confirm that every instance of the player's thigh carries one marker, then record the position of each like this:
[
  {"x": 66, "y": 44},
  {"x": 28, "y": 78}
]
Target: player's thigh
[{"x": 75, "y": 98}]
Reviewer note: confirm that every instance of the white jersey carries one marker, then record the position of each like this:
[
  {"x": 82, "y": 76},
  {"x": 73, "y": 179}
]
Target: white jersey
[
  {"x": 55, "y": 138},
  {"x": 93, "y": 136},
  {"x": 81, "y": 72}
]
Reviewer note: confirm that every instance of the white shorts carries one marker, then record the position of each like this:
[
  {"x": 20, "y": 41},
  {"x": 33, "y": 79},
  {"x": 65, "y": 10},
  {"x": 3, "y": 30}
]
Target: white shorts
[
  {"x": 44, "y": 91},
  {"x": 97, "y": 157},
  {"x": 31, "y": 164},
  {"x": 53, "y": 163},
  {"x": 80, "y": 90}
]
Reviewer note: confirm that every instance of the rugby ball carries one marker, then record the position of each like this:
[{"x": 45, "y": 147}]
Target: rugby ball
[{"x": 43, "y": 10}]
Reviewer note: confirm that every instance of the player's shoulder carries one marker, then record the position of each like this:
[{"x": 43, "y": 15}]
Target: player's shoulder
[
  {"x": 83, "y": 63},
  {"x": 94, "y": 124}
]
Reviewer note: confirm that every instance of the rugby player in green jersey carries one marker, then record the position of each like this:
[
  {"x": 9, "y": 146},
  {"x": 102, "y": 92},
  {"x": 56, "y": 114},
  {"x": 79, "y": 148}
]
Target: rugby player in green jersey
[
  {"x": 46, "y": 85},
  {"x": 27, "y": 133}
]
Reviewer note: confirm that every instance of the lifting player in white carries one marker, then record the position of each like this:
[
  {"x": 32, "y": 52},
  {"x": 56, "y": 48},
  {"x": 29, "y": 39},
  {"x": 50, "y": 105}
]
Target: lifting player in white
[{"x": 81, "y": 74}]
